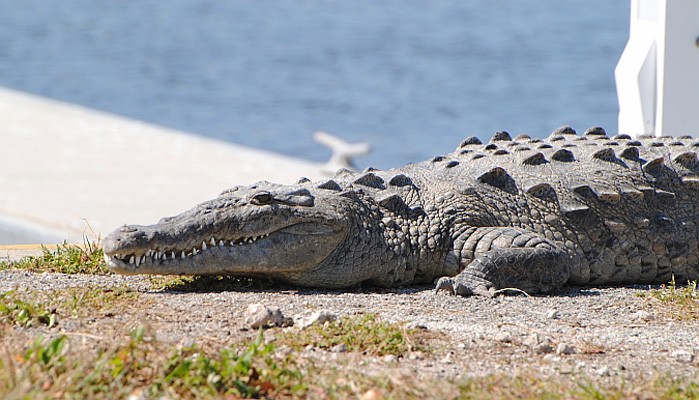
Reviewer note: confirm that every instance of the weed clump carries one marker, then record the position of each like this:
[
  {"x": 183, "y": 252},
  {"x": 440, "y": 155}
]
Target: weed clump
[
  {"x": 678, "y": 302},
  {"x": 366, "y": 334},
  {"x": 25, "y": 313},
  {"x": 48, "y": 369},
  {"x": 66, "y": 259}
]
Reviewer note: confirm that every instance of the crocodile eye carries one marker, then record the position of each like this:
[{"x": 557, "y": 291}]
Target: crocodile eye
[{"x": 262, "y": 199}]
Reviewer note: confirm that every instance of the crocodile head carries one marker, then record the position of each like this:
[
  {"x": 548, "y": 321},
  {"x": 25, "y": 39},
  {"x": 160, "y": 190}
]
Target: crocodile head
[{"x": 290, "y": 233}]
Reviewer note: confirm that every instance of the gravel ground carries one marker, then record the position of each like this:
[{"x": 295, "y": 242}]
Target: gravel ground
[{"x": 596, "y": 333}]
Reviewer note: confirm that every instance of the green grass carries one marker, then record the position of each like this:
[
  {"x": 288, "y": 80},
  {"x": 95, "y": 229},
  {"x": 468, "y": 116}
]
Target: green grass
[
  {"x": 65, "y": 259},
  {"x": 83, "y": 301},
  {"x": 678, "y": 302},
  {"x": 530, "y": 386},
  {"x": 15, "y": 310},
  {"x": 47, "y": 369},
  {"x": 45, "y": 308},
  {"x": 366, "y": 334},
  {"x": 138, "y": 363}
]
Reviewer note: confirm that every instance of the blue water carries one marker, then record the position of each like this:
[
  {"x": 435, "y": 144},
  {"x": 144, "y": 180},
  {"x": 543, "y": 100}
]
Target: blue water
[{"x": 410, "y": 77}]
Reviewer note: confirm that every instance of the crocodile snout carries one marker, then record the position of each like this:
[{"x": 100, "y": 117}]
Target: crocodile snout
[{"x": 124, "y": 237}]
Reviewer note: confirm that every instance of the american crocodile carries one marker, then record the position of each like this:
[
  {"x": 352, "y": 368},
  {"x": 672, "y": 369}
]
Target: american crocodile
[{"x": 521, "y": 213}]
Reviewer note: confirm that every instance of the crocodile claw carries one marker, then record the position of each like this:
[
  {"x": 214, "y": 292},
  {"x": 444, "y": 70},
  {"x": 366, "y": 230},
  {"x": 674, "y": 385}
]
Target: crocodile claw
[{"x": 453, "y": 287}]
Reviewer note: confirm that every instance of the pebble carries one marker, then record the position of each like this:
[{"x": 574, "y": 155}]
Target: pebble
[
  {"x": 683, "y": 356},
  {"x": 504, "y": 337},
  {"x": 258, "y": 315},
  {"x": 339, "y": 348},
  {"x": 552, "y": 314},
  {"x": 447, "y": 359},
  {"x": 643, "y": 316},
  {"x": 565, "y": 348},
  {"x": 319, "y": 317},
  {"x": 534, "y": 339},
  {"x": 139, "y": 394},
  {"x": 417, "y": 326},
  {"x": 390, "y": 358},
  {"x": 539, "y": 344},
  {"x": 603, "y": 371},
  {"x": 372, "y": 394},
  {"x": 542, "y": 348},
  {"x": 551, "y": 358}
]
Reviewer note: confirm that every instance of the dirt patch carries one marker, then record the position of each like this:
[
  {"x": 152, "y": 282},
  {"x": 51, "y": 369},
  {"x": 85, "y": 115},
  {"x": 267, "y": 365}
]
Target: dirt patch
[{"x": 602, "y": 334}]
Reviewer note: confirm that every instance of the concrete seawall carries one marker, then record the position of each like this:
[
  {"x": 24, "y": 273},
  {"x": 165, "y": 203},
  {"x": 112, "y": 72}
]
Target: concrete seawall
[{"x": 67, "y": 171}]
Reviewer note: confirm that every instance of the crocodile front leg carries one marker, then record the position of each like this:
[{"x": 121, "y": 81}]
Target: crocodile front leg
[{"x": 505, "y": 257}]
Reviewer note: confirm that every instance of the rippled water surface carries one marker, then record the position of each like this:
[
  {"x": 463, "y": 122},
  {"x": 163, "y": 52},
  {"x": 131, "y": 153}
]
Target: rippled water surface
[{"x": 410, "y": 77}]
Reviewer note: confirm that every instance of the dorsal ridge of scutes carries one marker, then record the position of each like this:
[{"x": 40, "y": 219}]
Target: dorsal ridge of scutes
[
  {"x": 687, "y": 159},
  {"x": 584, "y": 191},
  {"x": 371, "y": 180},
  {"x": 691, "y": 182},
  {"x": 632, "y": 194},
  {"x": 330, "y": 185},
  {"x": 563, "y": 155},
  {"x": 654, "y": 164},
  {"x": 606, "y": 154},
  {"x": 574, "y": 209},
  {"x": 595, "y": 131},
  {"x": 471, "y": 140},
  {"x": 630, "y": 153},
  {"x": 537, "y": 158},
  {"x": 392, "y": 202},
  {"x": 541, "y": 190},
  {"x": 400, "y": 180},
  {"x": 501, "y": 136},
  {"x": 493, "y": 176},
  {"x": 344, "y": 172},
  {"x": 564, "y": 130},
  {"x": 350, "y": 194}
]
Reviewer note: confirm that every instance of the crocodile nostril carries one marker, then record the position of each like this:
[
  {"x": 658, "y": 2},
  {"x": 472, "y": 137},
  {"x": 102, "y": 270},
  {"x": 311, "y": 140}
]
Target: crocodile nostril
[{"x": 128, "y": 229}]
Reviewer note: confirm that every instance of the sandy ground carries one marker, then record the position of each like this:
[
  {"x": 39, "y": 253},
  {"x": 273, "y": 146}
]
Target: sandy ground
[{"x": 594, "y": 333}]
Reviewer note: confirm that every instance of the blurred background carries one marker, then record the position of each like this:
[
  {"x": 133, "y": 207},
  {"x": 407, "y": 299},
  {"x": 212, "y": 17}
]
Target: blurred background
[{"x": 409, "y": 77}]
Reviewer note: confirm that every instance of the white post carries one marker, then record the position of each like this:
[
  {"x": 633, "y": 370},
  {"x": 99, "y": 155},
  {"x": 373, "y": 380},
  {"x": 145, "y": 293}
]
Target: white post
[{"x": 657, "y": 77}]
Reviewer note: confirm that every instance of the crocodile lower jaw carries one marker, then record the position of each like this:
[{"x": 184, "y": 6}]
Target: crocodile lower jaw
[{"x": 157, "y": 255}]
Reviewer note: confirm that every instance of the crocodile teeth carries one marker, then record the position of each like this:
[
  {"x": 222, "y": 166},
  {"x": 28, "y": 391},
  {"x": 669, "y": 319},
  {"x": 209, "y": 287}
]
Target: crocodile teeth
[{"x": 156, "y": 255}]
